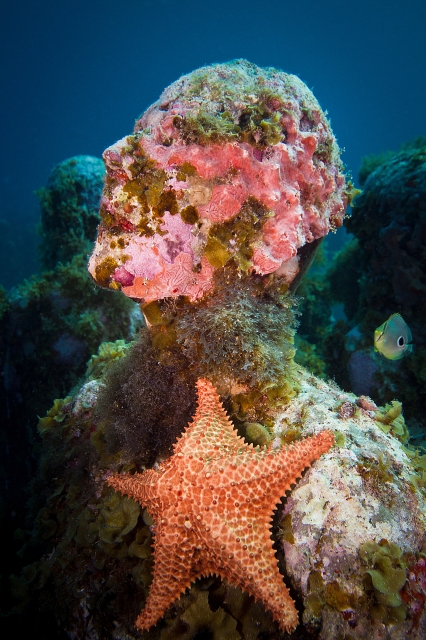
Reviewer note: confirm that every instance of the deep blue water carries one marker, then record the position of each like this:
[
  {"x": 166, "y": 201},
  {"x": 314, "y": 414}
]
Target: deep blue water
[{"x": 74, "y": 77}]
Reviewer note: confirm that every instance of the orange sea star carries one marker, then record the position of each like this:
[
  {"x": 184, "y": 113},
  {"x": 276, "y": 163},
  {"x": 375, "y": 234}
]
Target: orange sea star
[{"x": 212, "y": 503}]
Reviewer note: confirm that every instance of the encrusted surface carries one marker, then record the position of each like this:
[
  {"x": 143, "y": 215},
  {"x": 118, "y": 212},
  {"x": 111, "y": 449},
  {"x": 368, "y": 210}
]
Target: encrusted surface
[
  {"x": 365, "y": 490},
  {"x": 233, "y": 162}
]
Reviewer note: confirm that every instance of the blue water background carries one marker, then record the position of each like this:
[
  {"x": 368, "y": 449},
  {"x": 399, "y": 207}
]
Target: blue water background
[{"x": 74, "y": 77}]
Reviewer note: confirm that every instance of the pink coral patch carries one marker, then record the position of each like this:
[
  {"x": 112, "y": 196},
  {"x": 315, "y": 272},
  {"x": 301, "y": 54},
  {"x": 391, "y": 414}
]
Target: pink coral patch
[
  {"x": 177, "y": 279},
  {"x": 264, "y": 263},
  {"x": 122, "y": 276},
  {"x": 224, "y": 204}
]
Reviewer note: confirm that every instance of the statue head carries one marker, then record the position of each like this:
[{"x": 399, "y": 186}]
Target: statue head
[{"x": 234, "y": 164}]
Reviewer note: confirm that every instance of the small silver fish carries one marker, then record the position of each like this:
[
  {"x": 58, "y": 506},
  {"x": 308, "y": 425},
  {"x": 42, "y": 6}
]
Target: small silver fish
[{"x": 392, "y": 339}]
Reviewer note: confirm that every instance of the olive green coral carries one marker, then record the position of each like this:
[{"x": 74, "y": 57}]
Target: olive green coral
[
  {"x": 117, "y": 517},
  {"x": 69, "y": 209},
  {"x": 240, "y": 232},
  {"x": 199, "y": 620},
  {"x": 108, "y": 352},
  {"x": 387, "y": 575},
  {"x": 53, "y": 415},
  {"x": 391, "y": 420}
]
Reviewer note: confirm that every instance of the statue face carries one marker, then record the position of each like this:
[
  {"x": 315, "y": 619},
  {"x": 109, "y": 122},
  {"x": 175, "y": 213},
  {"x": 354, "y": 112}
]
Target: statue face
[{"x": 198, "y": 186}]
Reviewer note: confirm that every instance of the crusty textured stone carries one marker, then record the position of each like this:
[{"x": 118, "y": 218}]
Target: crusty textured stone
[{"x": 226, "y": 149}]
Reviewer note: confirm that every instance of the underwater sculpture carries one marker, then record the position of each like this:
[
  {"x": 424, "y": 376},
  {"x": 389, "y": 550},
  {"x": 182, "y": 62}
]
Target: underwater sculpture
[
  {"x": 69, "y": 206},
  {"x": 234, "y": 169},
  {"x": 51, "y": 323},
  {"x": 353, "y": 528}
]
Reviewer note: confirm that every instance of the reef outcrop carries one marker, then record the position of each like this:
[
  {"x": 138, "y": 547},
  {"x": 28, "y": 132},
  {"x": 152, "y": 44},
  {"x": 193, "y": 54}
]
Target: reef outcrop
[
  {"x": 70, "y": 209},
  {"x": 50, "y": 325},
  {"x": 381, "y": 272},
  {"x": 355, "y": 528}
]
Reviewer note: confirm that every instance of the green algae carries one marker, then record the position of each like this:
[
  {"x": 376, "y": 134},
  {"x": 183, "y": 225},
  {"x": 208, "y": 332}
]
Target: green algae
[
  {"x": 189, "y": 214},
  {"x": 235, "y": 237},
  {"x": 205, "y": 128},
  {"x": 286, "y": 529},
  {"x": 391, "y": 420},
  {"x": 200, "y": 620},
  {"x": 54, "y": 415},
  {"x": 141, "y": 546},
  {"x": 117, "y": 517},
  {"x": 216, "y": 252},
  {"x": 387, "y": 571},
  {"x": 257, "y": 125},
  {"x": 375, "y": 471},
  {"x": 108, "y": 352},
  {"x": 339, "y": 598},
  {"x": 257, "y": 434},
  {"x": 87, "y": 531}
]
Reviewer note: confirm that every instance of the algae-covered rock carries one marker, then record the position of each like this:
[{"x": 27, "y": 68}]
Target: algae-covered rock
[
  {"x": 382, "y": 272},
  {"x": 199, "y": 619},
  {"x": 357, "y": 520},
  {"x": 117, "y": 517},
  {"x": 70, "y": 209},
  {"x": 50, "y": 325},
  {"x": 388, "y": 572}
]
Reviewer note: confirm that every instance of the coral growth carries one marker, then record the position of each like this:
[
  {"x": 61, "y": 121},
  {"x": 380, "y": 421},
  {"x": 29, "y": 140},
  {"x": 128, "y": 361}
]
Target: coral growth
[
  {"x": 70, "y": 209},
  {"x": 144, "y": 404},
  {"x": 387, "y": 571},
  {"x": 233, "y": 162},
  {"x": 384, "y": 274},
  {"x": 350, "y": 531},
  {"x": 56, "y": 322},
  {"x": 377, "y": 273},
  {"x": 242, "y": 336}
]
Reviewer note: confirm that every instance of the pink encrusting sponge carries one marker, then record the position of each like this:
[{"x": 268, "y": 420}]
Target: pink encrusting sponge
[{"x": 233, "y": 163}]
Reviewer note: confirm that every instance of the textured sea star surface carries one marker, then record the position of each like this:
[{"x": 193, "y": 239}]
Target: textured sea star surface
[{"x": 212, "y": 502}]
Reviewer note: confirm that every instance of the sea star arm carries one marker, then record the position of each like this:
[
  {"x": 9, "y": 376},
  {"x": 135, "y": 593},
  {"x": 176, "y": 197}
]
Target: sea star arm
[
  {"x": 211, "y": 432},
  {"x": 272, "y": 472},
  {"x": 140, "y": 487},
  {"x": 267, "y": 474},
  {"x": 241, "y": 552},
  {"x": 174, "y": 570}
]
